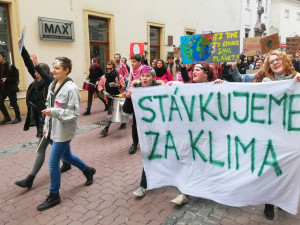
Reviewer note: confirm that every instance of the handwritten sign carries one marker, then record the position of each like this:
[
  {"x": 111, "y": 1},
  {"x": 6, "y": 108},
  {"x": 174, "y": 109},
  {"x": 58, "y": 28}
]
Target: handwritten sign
[
  {"x": 252, "y": 46},
  {"x": 269, "y": 43},
  {"x": 212, "y": 48},
  {"x": 195, "y": 48},
  {"x": 226, "y": 47},
  {"x": 292, "y": 45},
  {"x": 177, "y": 52},
  {"x": 234, "y": 143}
]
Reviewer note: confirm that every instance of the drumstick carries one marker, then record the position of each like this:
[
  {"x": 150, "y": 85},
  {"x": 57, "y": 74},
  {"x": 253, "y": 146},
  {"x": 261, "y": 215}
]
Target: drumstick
[{"x": 39, "y": 144}]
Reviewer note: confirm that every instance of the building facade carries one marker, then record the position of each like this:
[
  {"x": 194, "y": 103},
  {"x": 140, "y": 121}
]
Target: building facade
[{"x": 285, "y": 18}]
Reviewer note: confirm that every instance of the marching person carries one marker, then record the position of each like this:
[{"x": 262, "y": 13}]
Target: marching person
[
  {"x": 202, "y": 73},
  {"x": 135, "y": 74},
  {"x": 36, "y": 102},
  {"x": 110, "y": 84},
  {"x": 146, "y": 80},
  {"x": 63, "y": 101},
  {"x": 277, "y": 67},
  {"x": 162, "y": 72},
  {"x": 9, "y": 80},
  {"x": 95, "y": 74}
]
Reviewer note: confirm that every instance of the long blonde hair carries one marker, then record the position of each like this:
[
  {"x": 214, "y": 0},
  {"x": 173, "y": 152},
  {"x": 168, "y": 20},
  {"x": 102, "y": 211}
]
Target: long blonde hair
[{"x": 289, "y": 69}]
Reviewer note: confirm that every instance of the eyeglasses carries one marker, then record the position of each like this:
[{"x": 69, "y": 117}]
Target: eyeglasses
[
  {"x": 274, "y": 61},
  {"x": 109, "y": 69}
]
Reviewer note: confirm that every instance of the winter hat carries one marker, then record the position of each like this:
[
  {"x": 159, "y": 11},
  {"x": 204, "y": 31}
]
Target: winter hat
[{"x": 148, "y": 69}]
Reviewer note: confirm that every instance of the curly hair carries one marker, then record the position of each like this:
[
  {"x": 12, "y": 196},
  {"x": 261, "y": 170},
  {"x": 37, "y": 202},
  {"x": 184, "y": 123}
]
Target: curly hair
[{"x": 289, "y": 69}]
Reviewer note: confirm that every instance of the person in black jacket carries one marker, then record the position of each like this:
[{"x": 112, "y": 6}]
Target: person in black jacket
[
  {"x": 36, "y": 100},
  {"x": 95, "y": 74},
  {"x": 146, "y": 80},
  {"x": 9, "y": 80}
]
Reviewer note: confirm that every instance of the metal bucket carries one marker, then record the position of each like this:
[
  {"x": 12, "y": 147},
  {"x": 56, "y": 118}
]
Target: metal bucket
[{"x": 118, "y": 116}]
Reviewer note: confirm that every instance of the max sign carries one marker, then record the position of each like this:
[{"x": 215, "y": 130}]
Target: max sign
[{"x": 56, "y": 30}]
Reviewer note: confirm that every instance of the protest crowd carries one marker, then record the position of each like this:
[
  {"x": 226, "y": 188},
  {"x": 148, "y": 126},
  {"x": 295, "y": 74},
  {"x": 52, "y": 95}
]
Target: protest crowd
[{"x": 53, "y": 101}]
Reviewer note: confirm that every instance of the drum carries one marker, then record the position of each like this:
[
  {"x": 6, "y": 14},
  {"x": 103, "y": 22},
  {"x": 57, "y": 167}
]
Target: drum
[
  {"x": 88, "y": 86},
  {"x": 118, "y": 116}
]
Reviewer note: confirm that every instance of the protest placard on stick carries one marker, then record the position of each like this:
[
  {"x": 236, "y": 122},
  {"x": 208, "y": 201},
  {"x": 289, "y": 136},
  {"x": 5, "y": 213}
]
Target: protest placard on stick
[
  {"x": 292, "y": 45},
  {"x": 269, "y": 43}
]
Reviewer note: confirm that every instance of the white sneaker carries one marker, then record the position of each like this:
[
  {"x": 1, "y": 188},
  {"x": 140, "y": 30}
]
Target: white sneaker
[
  {"x": 181, "y": 199},
  {"x": 140, "y": 192}
]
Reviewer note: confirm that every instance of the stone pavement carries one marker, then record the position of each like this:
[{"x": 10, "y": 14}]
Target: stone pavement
[{"x": 109, "y": 200}]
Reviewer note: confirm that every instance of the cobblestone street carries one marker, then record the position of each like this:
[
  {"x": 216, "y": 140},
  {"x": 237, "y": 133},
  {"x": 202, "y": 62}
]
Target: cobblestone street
[{"x": 109, "y": 200}]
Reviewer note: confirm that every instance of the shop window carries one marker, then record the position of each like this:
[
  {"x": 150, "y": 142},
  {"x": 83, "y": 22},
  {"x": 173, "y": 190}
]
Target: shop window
[
  {"x": 99, "y": 36},
  {"x": 5, "y": 38},
  {"x": 154, "y": 43}
]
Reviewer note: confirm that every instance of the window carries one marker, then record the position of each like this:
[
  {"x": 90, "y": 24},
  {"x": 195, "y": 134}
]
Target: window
[
  {"x": 266, "y": 8},
  {"x": 248, "y": 3},
  {"x": 286, "y": 14},
  {"x": 247, "y": 32},
  {"x": 154, "y": 43},
  {"x": 189, "y": 33},
  {"x": 5, "y": 38},
  {"x": 99, "y": 44},
  {"x": 298, "y": 16}
]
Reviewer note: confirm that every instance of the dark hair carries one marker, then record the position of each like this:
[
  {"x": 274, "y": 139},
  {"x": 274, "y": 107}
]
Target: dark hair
[
  {"x": 170, "y": 57},
  {"x": 111, "y": 63},
  {"x": 118, "y": 55},
  {"x": 161, "y": 60},
  {"x": 124, "y": 59},
  {"x": 208, "y": 70},
  {"x": 3, "y": 54},
  {"x": 45, "y": 67},
  {"x": 137, "y": 57},
  {"x": 66, "y": 63}
]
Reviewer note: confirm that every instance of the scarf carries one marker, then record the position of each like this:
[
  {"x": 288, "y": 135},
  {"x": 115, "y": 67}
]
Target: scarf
[
  {"x": 94, "y": 67},
  {"x": 160, "y": 71}
]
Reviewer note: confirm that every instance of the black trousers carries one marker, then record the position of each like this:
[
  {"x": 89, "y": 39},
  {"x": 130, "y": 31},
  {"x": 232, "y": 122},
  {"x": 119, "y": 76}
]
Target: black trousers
[
  {"x": 134, "y": 133},
  {"x": 13, "y": 101},
  {"x": 143, "y": 180}
]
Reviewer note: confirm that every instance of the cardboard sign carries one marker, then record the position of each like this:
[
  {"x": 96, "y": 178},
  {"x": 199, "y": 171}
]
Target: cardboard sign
[
  {"x": 136, "y": 48},
  {"x": 177, "y": 52},
  {"x": 195, "y": 48},
  {"x": 212, "y": 48},
  {"x": 292, "y": 45},
  {"x": 251, "y": 46},
  {"x": 269, "y": 43},
  {"x": 233, "y": 143}
]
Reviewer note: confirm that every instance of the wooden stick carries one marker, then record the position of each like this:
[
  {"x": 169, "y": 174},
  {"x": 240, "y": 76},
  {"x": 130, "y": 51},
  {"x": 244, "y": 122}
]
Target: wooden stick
[{"x": 39, "y": 144}]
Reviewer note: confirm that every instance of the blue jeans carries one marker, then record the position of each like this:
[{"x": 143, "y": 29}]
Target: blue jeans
[{"x": 61, "y": 150}]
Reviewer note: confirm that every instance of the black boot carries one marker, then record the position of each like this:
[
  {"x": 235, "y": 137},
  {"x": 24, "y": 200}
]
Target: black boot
[
  {"x": 122, "y": 126},
  {"x": 65, "y": 167},
  {"x": 87, "y": 112},
  {"x": 18, "y": 115},
  {"x": 89, "y": 173},
  {"x": 106, "y": 108},
  {"x": 269, "y": 211},
  {"x": 104, "y": 132},
  {"x": 52, "y": 200},
  {"x": 133, "y": 149},
  {"x": 6, "y": 120},
  {"x": 16, "y": 120},
  {"x": 27, "y": 182}
]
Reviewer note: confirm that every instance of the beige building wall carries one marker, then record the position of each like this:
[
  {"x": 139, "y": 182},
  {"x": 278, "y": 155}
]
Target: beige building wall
[{"x": 129, "y": 22}]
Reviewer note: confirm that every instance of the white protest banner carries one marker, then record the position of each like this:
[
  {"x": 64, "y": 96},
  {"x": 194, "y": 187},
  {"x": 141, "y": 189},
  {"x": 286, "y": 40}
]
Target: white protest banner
[{"x": 234, "y": 143}]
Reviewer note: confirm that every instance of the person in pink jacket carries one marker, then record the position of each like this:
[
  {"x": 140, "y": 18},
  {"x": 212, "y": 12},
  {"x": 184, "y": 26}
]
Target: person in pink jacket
[
  {"x": 110, "y": 84},
  {"x": 162, "y": 73}
]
